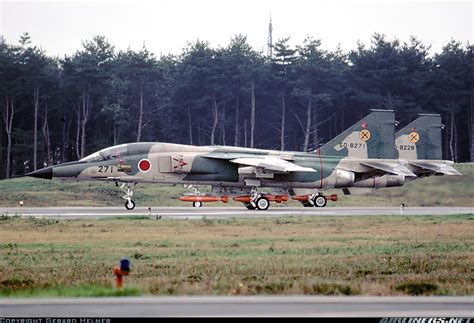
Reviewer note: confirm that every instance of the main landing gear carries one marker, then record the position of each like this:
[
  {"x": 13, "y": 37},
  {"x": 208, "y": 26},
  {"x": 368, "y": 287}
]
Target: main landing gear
[
  {"x": 257, "y": 201},
  {"x": 317, "y": 200},
  {"x": 128, "y": 189}
]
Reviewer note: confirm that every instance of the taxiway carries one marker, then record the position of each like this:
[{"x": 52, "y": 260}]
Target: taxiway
[{"x": 221, "y": 212}]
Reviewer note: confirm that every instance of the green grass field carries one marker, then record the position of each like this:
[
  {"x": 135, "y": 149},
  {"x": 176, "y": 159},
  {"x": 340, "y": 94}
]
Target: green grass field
[
  {"x": 369, "y": 255},
  {"x": 432, "y": 191}
]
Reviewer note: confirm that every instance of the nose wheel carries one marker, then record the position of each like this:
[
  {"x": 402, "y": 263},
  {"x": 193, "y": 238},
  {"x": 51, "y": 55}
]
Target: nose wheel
[{"x": 130, "y": 205}]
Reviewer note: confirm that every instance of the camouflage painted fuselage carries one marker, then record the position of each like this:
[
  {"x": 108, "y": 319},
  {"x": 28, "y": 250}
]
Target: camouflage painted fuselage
[
  {"x": 353, "y": 158},
  {"x": 183, "y": 164}
]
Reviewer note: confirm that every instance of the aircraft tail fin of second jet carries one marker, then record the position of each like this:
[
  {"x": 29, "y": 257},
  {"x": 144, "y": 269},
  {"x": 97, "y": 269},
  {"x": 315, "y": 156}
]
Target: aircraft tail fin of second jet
[
  {"x": 420, "y": 143},
  {"x": 421, "y": 138}
]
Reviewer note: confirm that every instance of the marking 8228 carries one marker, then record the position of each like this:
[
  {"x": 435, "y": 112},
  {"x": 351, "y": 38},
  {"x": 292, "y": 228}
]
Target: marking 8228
[{"x": 406, "y": 147}]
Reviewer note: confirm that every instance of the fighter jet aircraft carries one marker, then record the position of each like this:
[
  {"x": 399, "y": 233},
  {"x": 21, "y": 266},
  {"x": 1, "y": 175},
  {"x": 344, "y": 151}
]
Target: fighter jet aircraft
[{"x": 355, "y": 158}]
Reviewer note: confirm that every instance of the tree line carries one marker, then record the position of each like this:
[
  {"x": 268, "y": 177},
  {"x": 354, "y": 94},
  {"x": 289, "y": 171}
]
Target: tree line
[{"x": 61, "y": 109}]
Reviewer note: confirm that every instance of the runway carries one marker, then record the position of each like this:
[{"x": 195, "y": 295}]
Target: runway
[
  {"x": 264, "y": 306},
  {"x": 222, "y": 212}
]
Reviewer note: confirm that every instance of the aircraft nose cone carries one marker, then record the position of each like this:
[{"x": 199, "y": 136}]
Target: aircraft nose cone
[{"x": 46, "y": 173}]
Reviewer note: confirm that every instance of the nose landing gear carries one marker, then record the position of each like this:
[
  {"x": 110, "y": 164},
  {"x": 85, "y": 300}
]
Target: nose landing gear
[{"x": 128, "y": 189}]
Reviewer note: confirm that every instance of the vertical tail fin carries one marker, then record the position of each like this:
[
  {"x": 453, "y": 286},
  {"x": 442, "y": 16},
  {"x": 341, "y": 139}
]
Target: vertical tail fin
[
  {"x": 371, "y": 137},
  {"x": 420, "y": 139}
]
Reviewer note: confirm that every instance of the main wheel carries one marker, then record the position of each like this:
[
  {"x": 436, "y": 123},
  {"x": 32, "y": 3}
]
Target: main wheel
[
  {"x": 130, "y": 205},
  {"x": 197, "y": 204},
  {"x": 262, "y": 203},
  {"x": 320, "y": 201}
]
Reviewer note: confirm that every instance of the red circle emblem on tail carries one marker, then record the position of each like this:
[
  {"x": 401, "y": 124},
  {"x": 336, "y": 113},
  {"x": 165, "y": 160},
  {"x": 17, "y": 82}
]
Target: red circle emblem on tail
[{"x": 144, "y": 165}]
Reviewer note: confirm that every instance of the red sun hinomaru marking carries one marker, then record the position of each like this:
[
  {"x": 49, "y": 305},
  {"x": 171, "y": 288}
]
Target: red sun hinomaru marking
[{"x": 144, "y": 165}]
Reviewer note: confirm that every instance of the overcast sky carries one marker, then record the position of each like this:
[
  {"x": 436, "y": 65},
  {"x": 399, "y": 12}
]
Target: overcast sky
[{"x": 166, "y": 26}]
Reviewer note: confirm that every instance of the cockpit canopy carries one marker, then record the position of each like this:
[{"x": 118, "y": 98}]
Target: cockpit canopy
[
  {"x": 107, "y": 153},
  {"x": 120, "y": 151}
]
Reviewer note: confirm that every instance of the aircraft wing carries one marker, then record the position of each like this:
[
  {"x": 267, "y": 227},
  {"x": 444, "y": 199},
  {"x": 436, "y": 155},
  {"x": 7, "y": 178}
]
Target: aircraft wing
[
  {"x": 388, "y": 167},
  {"x": 271, "y": 163},
  {"x": 437, "y": 167}
]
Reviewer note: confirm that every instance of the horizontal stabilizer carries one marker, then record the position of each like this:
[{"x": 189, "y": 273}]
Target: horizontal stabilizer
[
  {"x": 272, "y": 163},
  {"x": 389, "y": 167},
  {"x": 437, "y": 167}
]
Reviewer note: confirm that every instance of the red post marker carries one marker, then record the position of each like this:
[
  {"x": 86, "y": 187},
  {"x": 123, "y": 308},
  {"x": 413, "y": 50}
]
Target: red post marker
[{"x": 120, "y": 271}]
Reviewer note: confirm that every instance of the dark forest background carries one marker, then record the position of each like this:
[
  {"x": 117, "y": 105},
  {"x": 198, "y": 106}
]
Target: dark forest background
[{"x": 55, "y": 110}]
